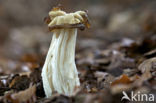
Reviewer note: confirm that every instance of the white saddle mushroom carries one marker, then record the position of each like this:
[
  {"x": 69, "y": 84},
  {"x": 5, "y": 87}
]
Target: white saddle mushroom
[{"x": 59, "y": 72}]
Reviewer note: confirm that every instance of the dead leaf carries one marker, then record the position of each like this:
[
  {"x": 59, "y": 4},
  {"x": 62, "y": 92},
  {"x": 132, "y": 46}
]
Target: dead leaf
[
  {"x": 151, "y": 53},
  {"x": 20, "y": 83},
  {"x": 26, "y": 96},
  {"x": 100, "y": 76},
  {"x": 119, "y": 88},
  {"x": 147, "y": 65},
  {"x": 124, "y": 79},
  {"x": 124, "y": 83}
]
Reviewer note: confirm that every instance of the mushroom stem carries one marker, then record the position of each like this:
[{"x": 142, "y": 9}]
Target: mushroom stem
[{"x": 59, "y": 72}]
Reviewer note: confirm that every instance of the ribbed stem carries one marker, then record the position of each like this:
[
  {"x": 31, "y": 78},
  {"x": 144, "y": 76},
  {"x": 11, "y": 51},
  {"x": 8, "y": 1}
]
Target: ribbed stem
[{"x": 59, "y": 71}]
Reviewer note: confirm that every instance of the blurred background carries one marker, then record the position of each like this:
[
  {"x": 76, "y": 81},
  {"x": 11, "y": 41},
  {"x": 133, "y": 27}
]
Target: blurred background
[{"x": 24, "y": 36}]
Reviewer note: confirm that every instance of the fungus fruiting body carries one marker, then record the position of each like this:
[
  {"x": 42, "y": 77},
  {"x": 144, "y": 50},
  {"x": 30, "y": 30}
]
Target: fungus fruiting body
[{"x": 59, "y": 72}]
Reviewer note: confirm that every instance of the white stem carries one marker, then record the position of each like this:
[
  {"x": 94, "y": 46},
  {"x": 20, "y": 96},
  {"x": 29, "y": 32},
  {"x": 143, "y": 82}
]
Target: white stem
[{"x": 59, "y": 71}]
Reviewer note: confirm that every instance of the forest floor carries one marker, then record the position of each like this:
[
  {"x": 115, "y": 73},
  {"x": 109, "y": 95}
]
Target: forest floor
[{"x": 118, "y": 53}]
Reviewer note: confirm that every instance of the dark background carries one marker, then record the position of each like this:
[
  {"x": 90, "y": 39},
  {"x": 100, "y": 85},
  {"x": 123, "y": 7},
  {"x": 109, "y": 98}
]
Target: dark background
[{"x": 23, "y": 31}]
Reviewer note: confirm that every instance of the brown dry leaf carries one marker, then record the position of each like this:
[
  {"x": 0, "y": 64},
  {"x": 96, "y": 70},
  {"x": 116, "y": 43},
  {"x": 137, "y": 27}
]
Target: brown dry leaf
[
  {"x": 119, "y": 88},
  {"x": 145, "y": 76},
  {"x": 100, "y": 75},
  {"x": 26, "y": 96},
  {"x": 20, "y": 82},
  {"x": 124, "y": 83},
  {"x": 124, "y": 79},
  {"x": 147, "y": 65},
  {"x": 151, "y": 53}
]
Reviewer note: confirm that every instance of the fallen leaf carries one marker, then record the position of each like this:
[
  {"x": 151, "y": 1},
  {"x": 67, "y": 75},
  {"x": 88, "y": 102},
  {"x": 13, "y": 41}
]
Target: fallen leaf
[
  {"x": 20, "y": 83},
  {"x": 124, "y": 79},
  {"x": 26, "y": 96},
  {"x": 151, "y": 53},
  {"x": 147, "y": 65}
]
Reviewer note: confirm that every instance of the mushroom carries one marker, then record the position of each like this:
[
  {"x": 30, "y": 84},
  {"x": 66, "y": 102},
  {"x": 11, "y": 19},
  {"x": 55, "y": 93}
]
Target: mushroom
[{"x": 59, "y": 71}]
